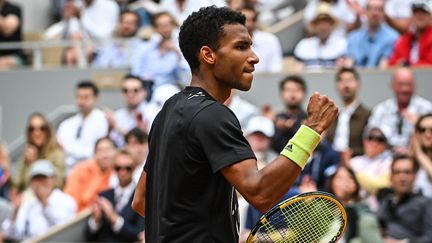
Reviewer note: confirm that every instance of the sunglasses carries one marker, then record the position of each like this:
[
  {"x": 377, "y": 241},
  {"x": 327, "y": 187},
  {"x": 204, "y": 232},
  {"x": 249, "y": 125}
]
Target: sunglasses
[
  {"x": 43, "y": 128},
  {"x": 119, "y": 168},
  {"x": 424, "y": 129},
  {"x": 134, "y": 90},
  {"x": 380, "y": 139}
]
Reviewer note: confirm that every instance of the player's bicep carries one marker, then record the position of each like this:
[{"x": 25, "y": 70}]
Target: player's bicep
[
  {"x": 243, "y": 176},
  {"x": 138, "y": 203}
]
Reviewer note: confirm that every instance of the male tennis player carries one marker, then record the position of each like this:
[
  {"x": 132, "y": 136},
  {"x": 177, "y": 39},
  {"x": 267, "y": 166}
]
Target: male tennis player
[{"x": 197, "y": 152}]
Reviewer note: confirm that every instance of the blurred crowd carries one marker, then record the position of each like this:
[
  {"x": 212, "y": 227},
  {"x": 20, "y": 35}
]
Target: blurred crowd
[{"x": 376, "y": 160}]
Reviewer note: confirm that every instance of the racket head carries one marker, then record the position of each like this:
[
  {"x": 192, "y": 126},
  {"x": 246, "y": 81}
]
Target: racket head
[{"x": 308, "y": 217}]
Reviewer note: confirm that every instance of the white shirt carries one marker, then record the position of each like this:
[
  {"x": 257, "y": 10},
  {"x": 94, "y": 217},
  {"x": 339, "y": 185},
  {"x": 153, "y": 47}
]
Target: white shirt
[
  {"x": 93, "y": 127},
  {"x": 387, "y": 113},
  {"x": 315, "y": 54},
  {"x": 189, "y": 7},
  {"x": 243, "y": 110},
  {"x": 33, "y": 219},
  {"x": 100, "y": 18},
  {"x": 341, "y": 138},
  {"x": 268, "y": 49},
  {"x": 423, "y": 183},
  {"x": 398, "y": 9}
]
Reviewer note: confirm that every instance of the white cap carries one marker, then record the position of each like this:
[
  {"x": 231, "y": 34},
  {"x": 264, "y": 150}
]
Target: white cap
[
  {"x": 260, "y": 124},
  {"x": 162, "y": 93},
  {"x": 426, "y": 5},
  {"x": 42, "y": 167},
  {"x": 384, "y": 129}
]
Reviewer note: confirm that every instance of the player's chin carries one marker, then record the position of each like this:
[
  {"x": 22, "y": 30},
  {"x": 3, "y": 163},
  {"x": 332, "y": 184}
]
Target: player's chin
[{"x": 245, "y": 84}]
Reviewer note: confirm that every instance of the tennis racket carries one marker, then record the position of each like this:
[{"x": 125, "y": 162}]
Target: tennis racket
[{"x": 305, "y": 218}]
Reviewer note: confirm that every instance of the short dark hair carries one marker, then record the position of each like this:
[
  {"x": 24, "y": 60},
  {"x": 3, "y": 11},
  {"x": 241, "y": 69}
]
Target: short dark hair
[
  {"x": 347, "y": 70},
  {"x": 127, "y": 11},
  {"x": 137, "y": 133},
  {"x": 205, "y": 28},
  {"x": 103, "y": 139},
  {"x": 88, "y": 84},
  {"x": 130, "y": 76},
  {"x": 155, "y": 16},
  {"x": 404, "y": 156},
  {"x": 295, "y": 79}
]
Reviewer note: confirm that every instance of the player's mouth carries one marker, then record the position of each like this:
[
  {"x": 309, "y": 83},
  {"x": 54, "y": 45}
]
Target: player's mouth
[{"x": 249, "y": 70}]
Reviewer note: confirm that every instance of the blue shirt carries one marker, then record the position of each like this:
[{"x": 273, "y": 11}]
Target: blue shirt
[
  {"x": 150, "y": 64},
  {"x": 116, "y": 54},
  {"x": 366, "y": 50}
]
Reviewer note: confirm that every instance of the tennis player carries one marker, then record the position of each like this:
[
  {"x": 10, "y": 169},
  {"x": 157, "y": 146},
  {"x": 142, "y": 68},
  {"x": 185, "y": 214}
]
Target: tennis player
[{"x": 197, "y": 152}]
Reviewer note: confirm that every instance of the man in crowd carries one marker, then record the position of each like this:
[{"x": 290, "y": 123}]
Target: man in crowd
[
  {"x": 48, "y": 208},
  {"x": 402, "y": 111},
  {"x": 371, "y": 45},
  {"x": 292, "y": 90},
  {"x": 113, "y": 219},
  {"x": 405, "y": 214},
  {"x": 78, "y": 134},
  {"x": 347, "y": 132}
]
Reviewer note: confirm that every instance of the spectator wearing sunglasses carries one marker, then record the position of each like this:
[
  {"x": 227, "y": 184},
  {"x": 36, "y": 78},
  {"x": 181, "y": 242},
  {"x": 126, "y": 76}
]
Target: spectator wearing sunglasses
[
  {"x": 421, "y": 149},
  {"x": 41, "y": 144},
  {"x": 113, "y": 219},
  {"x": 372, "y": 169},
  {"x": 79, "y": 133},
  {"x": 134, "y": 112}
]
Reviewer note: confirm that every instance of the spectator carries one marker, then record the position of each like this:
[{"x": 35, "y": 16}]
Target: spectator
[
  {"x": 160, "y": 60},
  {"x": 69, "y": 27},
  {"x": 402, "y": 111},
  {"x": 362, "y": 225},
  {"x": 160, "y": 95},
  {"x": 10, "y": 31},
  {"x": 259, "y": 132},
  {"x": 421, "y": 149},
  {"x": 324, "y": 49},
  {"x": 405, "y": 214},
  {"x": 347, "y": 132},
  {"x": 41, "y": 144},
  {"x": 398, "y": 14},
  {"x": 266, "y": 45},
  {"x": 92, "y": 176},
  {"x": 292, "y": 90},
  {"x": 113, "y": 219},
  {"x": 414, "y": 47},
  {"x": 99, "y": 18},
  {"x": 341, "y": 9},
  {"x": 137, "y": 143},
  {"x": 243, "y": 109},
  {"x": 372, "y": 45},
  {"x": 4, "y": 170},
  {"x": 49, "y": 207},
  {"x": 78, "y": 134},
  {"x": 180, "y": 9},
  {"x": 134, "y": 114},
  {"x": 373, "y": 168},
  {"x": 118, "y": 54}
]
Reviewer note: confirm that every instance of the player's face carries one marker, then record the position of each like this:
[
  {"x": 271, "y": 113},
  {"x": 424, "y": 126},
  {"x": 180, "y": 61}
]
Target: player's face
[{"x": 234, "y": 59}]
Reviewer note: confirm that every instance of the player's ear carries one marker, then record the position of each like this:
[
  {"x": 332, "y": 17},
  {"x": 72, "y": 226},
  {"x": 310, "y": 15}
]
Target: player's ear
[{"x": 207, "y": 55}]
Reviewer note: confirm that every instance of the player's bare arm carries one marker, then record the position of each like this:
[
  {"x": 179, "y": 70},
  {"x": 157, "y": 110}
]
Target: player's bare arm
[
  {"x": 138, "y": 203},
  {"x": 263, "y": 188}
]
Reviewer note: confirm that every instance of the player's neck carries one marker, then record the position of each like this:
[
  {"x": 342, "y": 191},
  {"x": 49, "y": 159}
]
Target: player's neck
[{"x": 218, "y": 92}]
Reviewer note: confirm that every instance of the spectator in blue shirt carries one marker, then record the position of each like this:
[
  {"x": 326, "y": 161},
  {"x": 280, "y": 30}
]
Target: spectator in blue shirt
[{"x": 371, "y": 45}]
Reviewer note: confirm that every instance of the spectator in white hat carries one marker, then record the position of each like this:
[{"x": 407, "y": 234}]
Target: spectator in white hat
[{"x": 48, "y": 208}]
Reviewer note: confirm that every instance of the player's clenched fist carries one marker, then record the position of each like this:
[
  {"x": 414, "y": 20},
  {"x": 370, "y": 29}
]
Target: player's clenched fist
[{"x": 322, "y": 112}]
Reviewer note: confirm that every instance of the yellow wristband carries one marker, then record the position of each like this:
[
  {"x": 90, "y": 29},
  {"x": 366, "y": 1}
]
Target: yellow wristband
[{"x": 301, "y": 145}]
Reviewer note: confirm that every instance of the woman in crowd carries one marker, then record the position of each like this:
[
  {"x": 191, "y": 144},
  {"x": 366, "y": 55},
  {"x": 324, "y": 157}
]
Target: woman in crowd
[
  {"x": 362, "y": 225},
  {"x": 41, "y": 144},
  {"x": 421, "y": 149}
]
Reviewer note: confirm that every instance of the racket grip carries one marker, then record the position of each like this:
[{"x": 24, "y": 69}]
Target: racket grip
[{"x": 301, "y": 145}]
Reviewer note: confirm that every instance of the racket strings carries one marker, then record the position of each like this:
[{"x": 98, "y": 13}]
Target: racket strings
[{"x": 314, "y": 219}]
